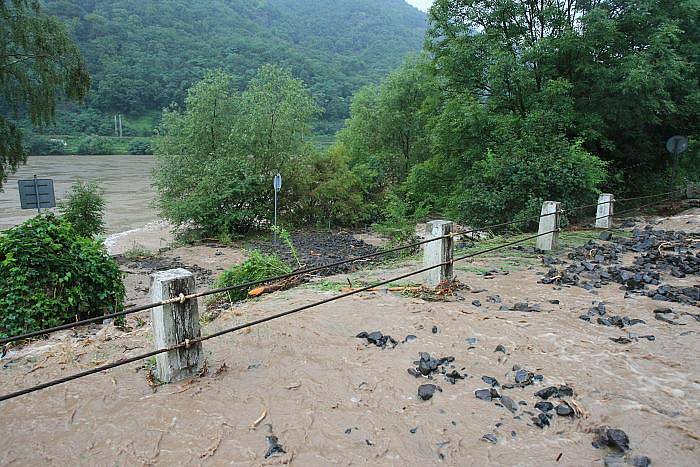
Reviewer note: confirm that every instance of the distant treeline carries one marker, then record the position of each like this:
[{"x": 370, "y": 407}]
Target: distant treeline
[{"x": 143, "y": 56}]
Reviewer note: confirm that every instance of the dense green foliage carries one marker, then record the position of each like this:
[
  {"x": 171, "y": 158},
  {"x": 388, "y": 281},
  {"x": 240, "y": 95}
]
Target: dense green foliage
[
  {"x": 84, "y": 208},
  {"x": 218, "y": 156},
  {"x": 257, "y": 267},
  {"x": 39, "y": 63},
  {"x": 50, "y": 275},
  {"x": 516, "y": 102},
  {"x": 143, "y": 56}
]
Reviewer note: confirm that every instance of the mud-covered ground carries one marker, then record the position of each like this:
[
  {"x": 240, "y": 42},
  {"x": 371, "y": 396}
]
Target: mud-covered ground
[{"x": 332, "y": 398}]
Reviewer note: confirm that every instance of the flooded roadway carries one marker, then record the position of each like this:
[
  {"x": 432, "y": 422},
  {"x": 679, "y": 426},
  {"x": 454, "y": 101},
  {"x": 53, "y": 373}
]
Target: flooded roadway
[{"x": 331, "y": 399}]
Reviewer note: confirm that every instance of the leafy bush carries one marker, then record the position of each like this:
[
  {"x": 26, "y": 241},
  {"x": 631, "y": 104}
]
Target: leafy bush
[
  {"x": 140, "y": 146},
  {"x": 257, "y": 267},
  {"x": 400, "y": 220},
  {"x": 41, "y": 145},
  {"x": 50, "y": 275},
  {"x": 95, "y": 145},
  {"x": 84, "y": 209}
]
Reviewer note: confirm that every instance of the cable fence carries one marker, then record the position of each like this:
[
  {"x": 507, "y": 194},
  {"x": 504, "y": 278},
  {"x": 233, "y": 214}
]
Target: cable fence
[{"x": 183, "y": 298}]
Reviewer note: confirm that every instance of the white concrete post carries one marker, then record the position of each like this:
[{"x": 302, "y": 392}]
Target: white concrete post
[
  {"x": 437, "y": 252},
  {"x": 174, "y": 323},
  {"x": 549, "y": 221},
  {"x": 605, "y": 211}
]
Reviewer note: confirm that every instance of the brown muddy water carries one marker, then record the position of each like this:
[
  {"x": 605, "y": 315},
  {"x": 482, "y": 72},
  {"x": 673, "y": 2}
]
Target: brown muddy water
[
  {"x": 331, "y": 399},
  {"x": 125, "y": 179}
]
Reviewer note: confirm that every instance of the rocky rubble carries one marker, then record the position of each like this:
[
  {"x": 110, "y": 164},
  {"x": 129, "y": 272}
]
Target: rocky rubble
[{"x": 594, "y": 265}]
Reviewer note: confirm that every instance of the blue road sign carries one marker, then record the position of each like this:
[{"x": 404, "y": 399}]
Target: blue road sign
[
  {"x": 36, "y": 194},
  {"x": 277, "y": 182}
]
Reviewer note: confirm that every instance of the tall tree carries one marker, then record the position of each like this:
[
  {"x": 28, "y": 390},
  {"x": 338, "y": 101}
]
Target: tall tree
[
  {"x": 39, "y": 63},
  {"x": 631, "y": 67}
]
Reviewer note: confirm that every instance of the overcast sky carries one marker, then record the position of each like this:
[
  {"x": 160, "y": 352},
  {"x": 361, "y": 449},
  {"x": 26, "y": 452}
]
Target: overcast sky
[{"x": 421, "y": 4}]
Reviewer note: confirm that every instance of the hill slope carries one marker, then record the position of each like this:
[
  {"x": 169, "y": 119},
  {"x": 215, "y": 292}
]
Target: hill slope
[{"x": 143, "y": 55}]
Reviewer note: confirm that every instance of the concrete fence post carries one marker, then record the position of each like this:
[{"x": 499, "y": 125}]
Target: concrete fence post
[
  {"x": 438, "y": 252},
  {"x": 549, "y": 221},
  {"x": 604, "y": 213},
  {"x": 174, "y": 323}
]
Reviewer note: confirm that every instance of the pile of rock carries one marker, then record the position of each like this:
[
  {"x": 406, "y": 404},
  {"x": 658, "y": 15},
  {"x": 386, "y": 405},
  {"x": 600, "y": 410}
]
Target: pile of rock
[{"x": 594, "y": 265}]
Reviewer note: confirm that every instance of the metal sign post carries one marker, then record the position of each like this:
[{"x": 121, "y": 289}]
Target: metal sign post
[
  {"x": 277, "y": 185},
  {"x": 36, "y": 194},
  {"x": 676, "y": 145}
]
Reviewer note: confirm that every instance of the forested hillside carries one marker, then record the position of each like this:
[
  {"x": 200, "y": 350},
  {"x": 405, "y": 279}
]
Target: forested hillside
[{"x": 143, "y": 55}]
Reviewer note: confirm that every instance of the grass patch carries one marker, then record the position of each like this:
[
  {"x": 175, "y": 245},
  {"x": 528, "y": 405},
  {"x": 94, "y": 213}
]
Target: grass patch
[{"x": 137, "y": 252}]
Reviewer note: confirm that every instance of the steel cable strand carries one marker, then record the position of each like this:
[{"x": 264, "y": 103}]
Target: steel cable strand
[{"x": 189, "y": 342}]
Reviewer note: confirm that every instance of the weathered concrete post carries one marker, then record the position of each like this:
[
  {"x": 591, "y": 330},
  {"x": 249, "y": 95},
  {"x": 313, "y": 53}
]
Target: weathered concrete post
[
  {"x": 174, "y": 323},
  {"x": 437, "y": 252},
  {"x": 693, "y": 191},
  {"x": 549, "y": 221},
  {"x": 603, "y": 216}
]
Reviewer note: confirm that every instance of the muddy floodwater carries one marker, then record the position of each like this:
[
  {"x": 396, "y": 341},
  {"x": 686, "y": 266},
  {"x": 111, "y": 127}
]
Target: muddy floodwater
[
  {"x": 327, "y": 397},
  {"x": 125, "y": 179}
]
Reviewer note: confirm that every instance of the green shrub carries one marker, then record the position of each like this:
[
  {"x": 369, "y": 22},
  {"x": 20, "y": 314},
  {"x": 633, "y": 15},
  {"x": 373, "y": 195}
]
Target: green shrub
[
  {"x": 50, "y": 275},
  {"x": 95, "y": 145},
  {"x": 41, "y": 145},
  {"x": 257, "y": 267},
  {"x": 140, "y": 146},
  {"x": 400, "y": 220},
  {"x": 84, "y": 209}
]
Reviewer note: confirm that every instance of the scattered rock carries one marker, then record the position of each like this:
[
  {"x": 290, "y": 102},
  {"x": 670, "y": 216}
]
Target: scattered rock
[
  {"x": 490, "y": 438},
  {"x": 500, "y": 348},
  {"x": 606, "y": 236},
  {"x": 493, "y": 382},
  {"x": 541, "y": 421},
  {"x": 509, "y": 404},
  {"x": 409, "y": 338},
  {"x": 544, "y": 406},
  {"x": 565, "y": 410},
  {"x": 640, "y": 461},
  {"x": 472, "y": 341},
  {"x": 487, "y": 394},
  {"x": 378, "y": 339},
  {"x": 435, "y": 329},
  {"x": 426, "y": 391},
  {"x": 613, "y": 438},
  {"x": 273, "y": 446},
  {"x": 476, "y": 303}
]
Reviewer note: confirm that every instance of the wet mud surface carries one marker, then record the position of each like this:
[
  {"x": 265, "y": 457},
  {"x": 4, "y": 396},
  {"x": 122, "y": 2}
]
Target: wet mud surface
[
  {"x": 503, "y": 372},
  {"x": 321, "y": 248}
]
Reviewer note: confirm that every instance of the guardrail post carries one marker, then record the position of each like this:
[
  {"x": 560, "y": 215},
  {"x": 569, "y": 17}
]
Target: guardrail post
[
  {"x": 693, "y": 191},
  {"x": 174, "y": 323},
  {"x": 438, "y": 252},
  {"x": 549, "y": 221},
  {"x": 603, "y": 216}
]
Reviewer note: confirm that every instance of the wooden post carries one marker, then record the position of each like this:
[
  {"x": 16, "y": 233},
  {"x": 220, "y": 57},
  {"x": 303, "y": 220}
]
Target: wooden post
[
  {"x": 174, "y": 323},
  {"x": 437, "y": 252},
  {"x": 605, "y": 211},
  {"x": 549, "y": 221}
]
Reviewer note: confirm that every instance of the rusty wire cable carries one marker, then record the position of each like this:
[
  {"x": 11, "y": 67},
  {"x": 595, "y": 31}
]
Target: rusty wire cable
[
  {"x": 137, "y": 309},
  {"x": 189, "y": 342}
]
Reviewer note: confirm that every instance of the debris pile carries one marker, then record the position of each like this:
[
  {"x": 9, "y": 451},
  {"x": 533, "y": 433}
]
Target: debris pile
[{"x": 594, "y": 265}]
